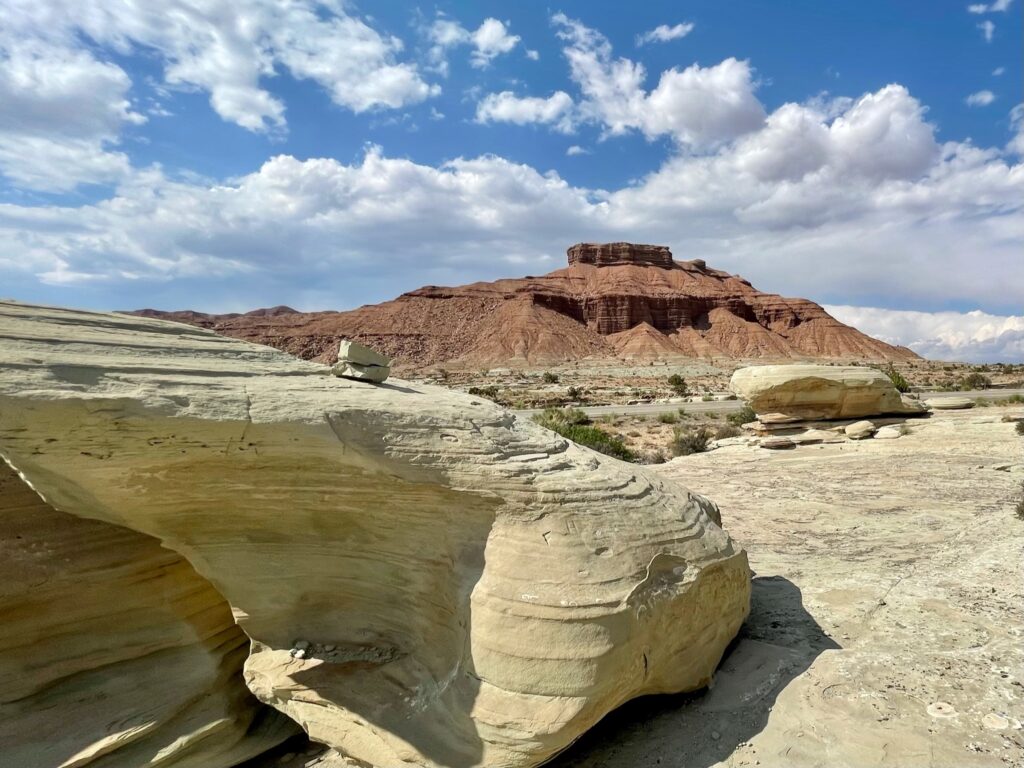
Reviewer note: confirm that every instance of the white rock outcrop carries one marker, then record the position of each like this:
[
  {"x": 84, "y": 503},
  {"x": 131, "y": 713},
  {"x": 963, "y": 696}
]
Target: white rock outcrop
[
  {"x": 356, "y": 361},
  {"x": 811, "y": 392},
  {"x": 114, "y": 652},
  {"x": 950, "y": 403},
  {"x": 465, "y": 587}
]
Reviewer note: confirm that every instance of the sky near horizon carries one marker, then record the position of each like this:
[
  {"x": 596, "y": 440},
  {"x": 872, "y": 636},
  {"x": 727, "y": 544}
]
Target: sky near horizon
[{"x": 223, "y": 156}]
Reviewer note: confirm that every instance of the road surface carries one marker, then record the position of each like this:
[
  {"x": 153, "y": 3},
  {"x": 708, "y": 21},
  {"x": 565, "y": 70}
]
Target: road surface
[{"x": 729, "y": 406}]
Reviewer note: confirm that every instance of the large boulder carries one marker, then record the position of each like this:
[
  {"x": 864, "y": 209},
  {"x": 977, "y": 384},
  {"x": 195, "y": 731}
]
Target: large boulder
[
  {"x": 809, "y": 392},
  {"x": 114, "y": 652},
  {"x": 426, "y": 579}
]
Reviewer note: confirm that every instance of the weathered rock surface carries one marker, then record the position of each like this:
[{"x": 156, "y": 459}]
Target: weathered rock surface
[
  {"x": 468, "y": 588},
  {"x": 859, "y": 430},
  {"x": 615, "y": 300},
  {"x": 810, "y": 392},
  {"x": 114, "y": 652},
  {"x": 888, "y": 433},
  {"x": 949, "y": 403},
  {"x": 356, "y": 361}
]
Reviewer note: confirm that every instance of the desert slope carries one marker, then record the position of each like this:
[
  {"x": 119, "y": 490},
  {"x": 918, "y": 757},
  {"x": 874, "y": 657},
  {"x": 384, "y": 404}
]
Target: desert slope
[{"x": 616, "y": 300}]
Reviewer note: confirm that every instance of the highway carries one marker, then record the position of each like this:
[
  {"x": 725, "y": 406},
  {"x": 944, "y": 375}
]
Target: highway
[{"x": 729, "y": 406}]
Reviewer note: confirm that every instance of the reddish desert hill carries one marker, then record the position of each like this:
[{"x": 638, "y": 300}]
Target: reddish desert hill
[{"x": 616, "y": 300}]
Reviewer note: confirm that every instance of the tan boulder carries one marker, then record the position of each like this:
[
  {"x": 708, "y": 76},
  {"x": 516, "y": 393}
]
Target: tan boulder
[
  {"x": 114, "y": 652},
  {"x": 860, "y": 430},
  {"x": 949, "y": 403},
  {"x": 426, "y": 579},
  {"x": 808, "y": 392},
  {"x": 359, "y": 362}
]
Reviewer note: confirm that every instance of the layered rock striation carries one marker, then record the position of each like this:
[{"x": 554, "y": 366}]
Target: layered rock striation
[
  {"x": 114, "y": 652},
  {"x": 426, "y": 580},
  {"x": 616, "y": 300}
]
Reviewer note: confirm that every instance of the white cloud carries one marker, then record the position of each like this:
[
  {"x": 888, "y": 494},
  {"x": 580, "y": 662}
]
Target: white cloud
[
  {"x": 489, "y": 40},
  {"x": 63, "y": 111},
  {"x": 963, "y": 336},
  {"x": 988, "y": 29},
  {"x": 532, "y": 55},
  {"x": 227, "y": 50},
  {"x": 980, "y": 99},
  {"x": 1016, "y": 144},
  {"x": 999, "y": 6},
  {"x": 663, "y": 33},
  {"x": 998, "y": 71},
  {"x": 576, "y": 150},
  {"x": 698, "y": 106},
  {"x": 506, "y": 107}
]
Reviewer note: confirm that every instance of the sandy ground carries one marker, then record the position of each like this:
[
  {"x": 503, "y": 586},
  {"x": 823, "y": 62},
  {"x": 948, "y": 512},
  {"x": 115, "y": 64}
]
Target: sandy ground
[{"x": 887, "y": 626}]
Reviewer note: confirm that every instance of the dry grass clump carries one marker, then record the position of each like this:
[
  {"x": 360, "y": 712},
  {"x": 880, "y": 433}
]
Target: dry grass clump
[
  {"x": 689, "y": 440},
  {"x": 1019, "y": 509}
]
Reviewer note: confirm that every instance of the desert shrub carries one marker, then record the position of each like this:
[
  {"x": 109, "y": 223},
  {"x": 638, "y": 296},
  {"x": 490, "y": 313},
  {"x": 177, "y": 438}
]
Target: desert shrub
[
  {"x": 654, "y": 458},
  {"x": 667, "y": 418},
  {"x": 744, "y": 415},
  {"x": 975, "y": 381},
  {"x": 688, "y": 440},
  {"x": 549, "y": 378},
  {"x": 490, "y": 391},
  {"x": 1019, "y": 508},
  {"x": 574, "y": 393},
  {"x": 678, "y": 385},
  {"x": 897, "y": 378},
  {"x": 707, "y": 398},
  {"x": 727, "y": 430},
  {"x": 574, "y": 424},
  {"x": 1020, "y": 427}
]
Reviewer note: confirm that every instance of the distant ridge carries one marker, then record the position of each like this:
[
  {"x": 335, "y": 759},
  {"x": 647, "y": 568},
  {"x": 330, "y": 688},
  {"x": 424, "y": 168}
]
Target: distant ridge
[{"x": 613, "y": 301}]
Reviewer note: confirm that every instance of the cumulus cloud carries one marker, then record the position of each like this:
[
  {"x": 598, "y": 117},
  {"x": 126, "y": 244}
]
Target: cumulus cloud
[
  {"x": 227, "y": 49},
  {"x": 575, "y": 150},
  {"x": 988, "y": 30},
  {"x": 490, "y": 40},
  {"x": 63, "y": 112},
  {"x": 663, "y": 33},
  {"x": 698, "y": 106},
  {"x": 980, "y": 98},
  {"x": 963, "y": 336},
  {"x": 999, "y": 6},
  {"x": 506, "y": 107}
]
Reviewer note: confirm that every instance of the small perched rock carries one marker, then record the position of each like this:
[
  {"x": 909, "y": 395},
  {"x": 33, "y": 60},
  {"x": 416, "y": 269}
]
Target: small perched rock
[
  {"x": 860, "y": 430},
  {"x": 777, "y": 443},
  {"x": 361, "y": 363},
  {"x": 887, "y": 433}
]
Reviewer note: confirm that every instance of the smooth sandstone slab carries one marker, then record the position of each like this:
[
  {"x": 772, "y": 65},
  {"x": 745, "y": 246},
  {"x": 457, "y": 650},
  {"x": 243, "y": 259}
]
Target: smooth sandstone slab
[
  {"x": 454, "y": 605},
  {"x": 950, "y": 403},
  {"x": 114, "y": 652},
  {"x": 807, "y": 392}
]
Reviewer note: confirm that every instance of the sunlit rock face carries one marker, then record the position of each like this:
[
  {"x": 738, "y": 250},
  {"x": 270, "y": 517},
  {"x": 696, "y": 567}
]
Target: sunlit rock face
[
  {"x": 427, "y": 579},
  {"x": 114, "y": 652}
]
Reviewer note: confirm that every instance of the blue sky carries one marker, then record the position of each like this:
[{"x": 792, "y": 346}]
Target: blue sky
[{"x": 225, "y": 156}]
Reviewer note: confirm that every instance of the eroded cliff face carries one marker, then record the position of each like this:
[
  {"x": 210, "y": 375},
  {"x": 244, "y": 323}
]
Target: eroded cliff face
[
  {"x": 114, "y": 652},
  {"x": 426, "y": 579},
  {"x": 607, "y": 290}
]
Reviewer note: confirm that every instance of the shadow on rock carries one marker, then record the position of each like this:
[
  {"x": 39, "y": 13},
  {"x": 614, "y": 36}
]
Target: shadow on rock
[{"x": 778, "y": 642}]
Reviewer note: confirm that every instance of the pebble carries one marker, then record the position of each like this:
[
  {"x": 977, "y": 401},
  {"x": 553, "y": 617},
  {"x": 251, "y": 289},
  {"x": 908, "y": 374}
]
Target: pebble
[
  {"x": 716, "y": 735},
  {"x": 287, "y": 758},
  {"x": 298, "y": 653},
  {"x": 995, "y": 722}
]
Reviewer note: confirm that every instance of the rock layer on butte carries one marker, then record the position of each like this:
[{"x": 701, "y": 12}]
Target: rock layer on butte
[
  {"x": 614, "y": 300},
  {"x": 810, "y": 392},
  {"x": 427, "y": 580},
  {"x": 114, "y": 652}
]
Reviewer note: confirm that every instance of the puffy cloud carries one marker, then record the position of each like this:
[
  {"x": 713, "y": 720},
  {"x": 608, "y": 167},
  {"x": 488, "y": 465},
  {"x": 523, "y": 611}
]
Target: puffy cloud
[
  {"x": 226, "y": 49},
  {"x": 988, "y": 30},
  {"x": 505, "y": 107},
  {"x": 62, "y": 112},
  {"x": 575, "y": 150},
  {"x": 698, "y": 106},
  {"x": 998, "y": 71},
  {"x": 1016, "y": 144},
  {"x": 489, "y": 40},
  {"x": 999, "y": 6},
  {"x": 980, "y": 99},
  {"x": 965, "y": 336},
  {"x": 663, "y": 33}
]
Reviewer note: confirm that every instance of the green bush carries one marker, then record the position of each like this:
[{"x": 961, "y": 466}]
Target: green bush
[
  {"x": 678, "y": 385},
  {"x": 574, "y": 393},
  {"x": 744, "y": 415},
  {"x": 688, "y": 440},
  {"x": 667, "y": 418},
  {"x": 574, "y": 424},
  {"x": 897, "y": 378},
  {"x": 1020, "y": 427},
  {"x": 727, "y": 430},
  {"x": 549, "y": 378},
  {"x": 975, "y": 381},
  {"x": 490, "y": 391}
]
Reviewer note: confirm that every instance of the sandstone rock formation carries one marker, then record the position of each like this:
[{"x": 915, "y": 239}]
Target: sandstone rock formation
[
  {"x": 949, "y": 403},
  {"x": 114, "y": 652},
  {"x": 356, "y": 361},
  {"x": 616, "y": 300},
  {"x": 426, "y": 579},
  {"x": 809, "y": 392}
]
